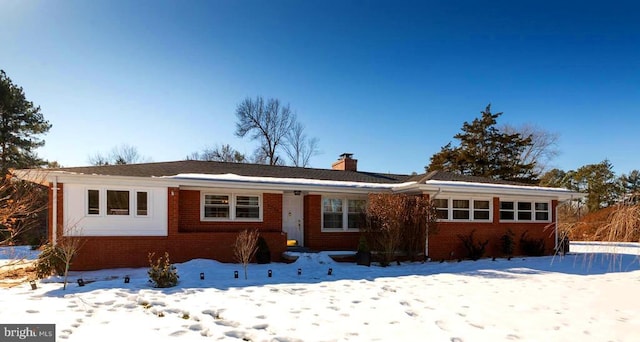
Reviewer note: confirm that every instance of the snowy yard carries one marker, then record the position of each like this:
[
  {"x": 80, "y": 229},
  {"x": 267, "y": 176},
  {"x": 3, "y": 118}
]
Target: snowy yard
[{"x": 584, "y": 296}]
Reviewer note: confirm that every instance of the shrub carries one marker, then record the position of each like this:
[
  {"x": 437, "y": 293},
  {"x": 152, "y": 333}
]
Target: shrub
[
  {"x": 475, "y": 250},
  {"x": 245, "y": 248},
  {"x": 530, "y": 246},
  {"x": 162, "y": 273},
  {"x": 507, "y": 243},
  {"x": 263, "y": 254},
  {"x": 49, "y": 262}
]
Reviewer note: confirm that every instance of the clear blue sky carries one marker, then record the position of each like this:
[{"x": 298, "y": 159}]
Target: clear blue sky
[{"x": 390, "y": 81}]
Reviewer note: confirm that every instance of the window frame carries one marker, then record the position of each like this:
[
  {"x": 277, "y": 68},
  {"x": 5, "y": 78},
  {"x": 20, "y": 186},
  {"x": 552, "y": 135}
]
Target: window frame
[
  {"x": 233, "y": 205},
  {"x": 133, "y": 202},
  {"x": 471, "y": 208},
  {"x": 533, "y": 211},
  {"x": 345, "y": 212},
  {"x": 136, "y": 203}
]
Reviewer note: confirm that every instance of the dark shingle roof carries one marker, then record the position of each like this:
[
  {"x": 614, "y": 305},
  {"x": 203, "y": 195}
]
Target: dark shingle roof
[
  {"x": 454, "y": 177},
  {"x": 261, "y": 170},
  {"x": 241, "y": 169}
]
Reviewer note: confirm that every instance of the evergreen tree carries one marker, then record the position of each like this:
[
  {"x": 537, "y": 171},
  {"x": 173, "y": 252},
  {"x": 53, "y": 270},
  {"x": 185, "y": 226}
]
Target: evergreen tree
[
  {"x": 631, "y": 186},
  {"x": 486, "y": 151},
  {"x": 599, "y": 182},
  {"x": 21, "y": 123}
]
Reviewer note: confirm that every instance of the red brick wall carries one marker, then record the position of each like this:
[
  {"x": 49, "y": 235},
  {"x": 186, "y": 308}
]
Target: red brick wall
[
  {"x": 209, "y": 240},
  {"x": 189, "y": 218},
  {"x": 314, "y": 238},
  {"x": 132, "y": 251},
  {"x": 445, "y": 243}
]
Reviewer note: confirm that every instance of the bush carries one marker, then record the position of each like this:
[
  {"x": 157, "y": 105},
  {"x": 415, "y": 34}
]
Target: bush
[
  {"x": 263, "y": 254},
  {"x": 531, "y": 247},
  {"x": 475, "y": 250},
  {"x": 162, "y": 273},
  {"x": 507, "y": 243},
  {"x": 49, "y": 261}
]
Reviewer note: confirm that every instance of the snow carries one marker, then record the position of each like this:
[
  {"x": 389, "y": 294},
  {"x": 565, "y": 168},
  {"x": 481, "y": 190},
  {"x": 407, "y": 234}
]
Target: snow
[
  {"x": 588, "y": 295},
  {"x": 291, "y": 181}
]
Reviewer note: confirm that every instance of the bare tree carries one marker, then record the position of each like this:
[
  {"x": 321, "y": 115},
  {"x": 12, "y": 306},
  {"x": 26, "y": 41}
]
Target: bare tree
[
  {"x": 119, "y": 155},
  {"x": 543, "y": 148},
  {"x": 68, "y": 245},
  {"x": 224, "y": 153},
  {"x": 268, "y": 122},
  {"x": 245, "y": 248},
  {"x": 299, "y": 147},
  {"x": 20, "y": 204}
]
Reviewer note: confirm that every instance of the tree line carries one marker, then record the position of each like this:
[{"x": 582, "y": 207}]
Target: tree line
[{"x": 483, "y": 148}]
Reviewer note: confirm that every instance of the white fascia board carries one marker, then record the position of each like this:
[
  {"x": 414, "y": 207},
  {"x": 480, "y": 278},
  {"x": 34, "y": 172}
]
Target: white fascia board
[
  {"x": 500, "y": 189},
  {"x": 280, "y": 184}
]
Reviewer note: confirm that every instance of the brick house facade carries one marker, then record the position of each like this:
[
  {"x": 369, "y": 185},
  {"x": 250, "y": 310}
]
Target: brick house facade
[{"x": 195, "y": 209}]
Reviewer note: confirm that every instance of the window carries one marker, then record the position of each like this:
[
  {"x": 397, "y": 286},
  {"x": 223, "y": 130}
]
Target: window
[
  {"x": 332, "y": 213},
  {"x": 141, "y": 203},
  {"x": 463, "y": 209},
  {"x": 442, "y": 208},
  {"x": 481, "y": 210},
  {"x": 229, "y": 207},
  {"x": 216, "y": 206},
  {"x": 93, "y": 201},
  {"x": 117, "y": 202},
  {"x": 460, "y": 209},
  {"x": 542, "y": 211},
  {"x": 524, "y": 211},
  {"x": 248, "y": 207},
  {"x": 356, "y": 212},
  {"x": 507, "y": 211},
  {"x": 342, "y": 213}
]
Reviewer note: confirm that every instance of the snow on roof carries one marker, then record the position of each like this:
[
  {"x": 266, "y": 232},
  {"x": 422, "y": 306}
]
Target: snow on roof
[
  {"x": 495, "y": 185},
  {"x": 229, "y": 177}
]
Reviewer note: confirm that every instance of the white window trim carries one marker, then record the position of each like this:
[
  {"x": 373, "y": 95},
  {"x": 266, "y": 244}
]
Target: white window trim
[
  {"x": 345, "y": 213},
  {"x": 232, "y": 207},
  {"x": 471, "y": 200},
  {"x": 133, "y": 202},
  {"x": 533, "y": 210},
  {"x": 149, "y": 206}
]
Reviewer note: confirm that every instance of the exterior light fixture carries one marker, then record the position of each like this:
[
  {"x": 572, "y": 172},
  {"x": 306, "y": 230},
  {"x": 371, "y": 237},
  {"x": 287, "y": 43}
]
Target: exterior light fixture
[
  {"x": 33, "y": 284},
  {"x": 127, "y": 279},
  {"x": 80, "y": 282},
  {"x": 299, "y": 271},
  {"x": 235, "y": 274},
  {"x": 201, "y": 275},
  {"x": 330, "y": 272},
  {"x": 269, "y": 273}
]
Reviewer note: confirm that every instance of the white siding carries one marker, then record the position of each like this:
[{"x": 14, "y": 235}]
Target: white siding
[{"x": 153, "y": 224}]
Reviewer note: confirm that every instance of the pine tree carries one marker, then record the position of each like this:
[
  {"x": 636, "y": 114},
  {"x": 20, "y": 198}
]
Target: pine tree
[
  {"x": 486, "y": 151},
  {"x": 20, "y": 125}
]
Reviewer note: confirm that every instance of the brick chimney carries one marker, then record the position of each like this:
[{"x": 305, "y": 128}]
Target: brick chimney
[{"x": 346, "y": 163}]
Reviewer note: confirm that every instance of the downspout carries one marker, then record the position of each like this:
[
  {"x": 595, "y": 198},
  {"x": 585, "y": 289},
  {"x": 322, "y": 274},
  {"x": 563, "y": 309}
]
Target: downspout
[
  {"x": 556, "y": 223},
  {"x": 426, "y": 240},
  {"x": 54, "y": 219}
]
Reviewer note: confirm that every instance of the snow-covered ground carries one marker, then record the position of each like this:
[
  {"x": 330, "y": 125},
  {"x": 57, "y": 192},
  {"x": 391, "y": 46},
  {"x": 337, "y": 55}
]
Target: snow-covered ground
[{"x": 584, "y": 296}]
